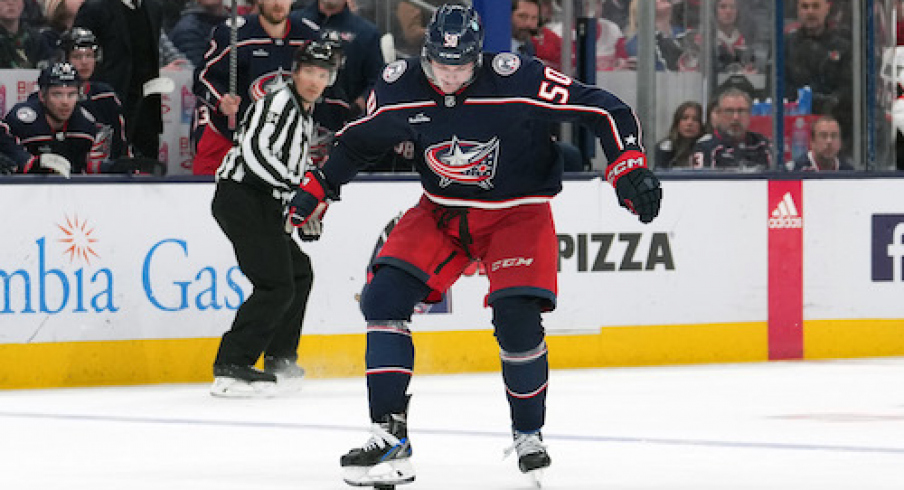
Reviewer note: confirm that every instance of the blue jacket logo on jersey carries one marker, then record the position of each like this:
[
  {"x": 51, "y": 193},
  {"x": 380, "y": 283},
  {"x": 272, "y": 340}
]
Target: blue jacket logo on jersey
[
  {"x": 266, "y": 83},
  {"x": 464, "y": 162}
]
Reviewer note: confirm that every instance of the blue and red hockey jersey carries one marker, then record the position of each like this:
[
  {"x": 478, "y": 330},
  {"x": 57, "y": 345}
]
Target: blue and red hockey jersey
[
  {"x": 262, "y": 62},
  {"x": 489, "y": 145},
  {"x": 28, "y": 122}
]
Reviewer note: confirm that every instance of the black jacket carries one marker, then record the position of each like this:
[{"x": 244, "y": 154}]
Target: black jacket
[{"x": 107, "y": 20}]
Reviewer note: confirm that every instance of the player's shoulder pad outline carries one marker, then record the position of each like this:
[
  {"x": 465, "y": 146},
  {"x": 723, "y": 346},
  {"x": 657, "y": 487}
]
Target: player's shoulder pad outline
[
  {"x": 505, "y": 64},
  {"x": 26, "y": 115},
  {"x": 706, "y": 137},
  {"x": 87, "y": 114},
  {"x": 310, "y": 23},
  {"x": 394, "y": 71}
]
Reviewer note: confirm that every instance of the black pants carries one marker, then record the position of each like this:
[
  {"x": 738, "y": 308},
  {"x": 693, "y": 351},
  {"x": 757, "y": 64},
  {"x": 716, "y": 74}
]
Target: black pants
[{"x": 269, "y": 321}]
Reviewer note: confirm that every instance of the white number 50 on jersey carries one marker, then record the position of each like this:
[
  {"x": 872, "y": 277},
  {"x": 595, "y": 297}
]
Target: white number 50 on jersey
[{"x": 554, "y": 86}]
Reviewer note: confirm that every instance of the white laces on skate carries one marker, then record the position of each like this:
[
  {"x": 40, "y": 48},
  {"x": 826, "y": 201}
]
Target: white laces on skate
[
  {"x": 525, "y": 444},
  {"x": 380, "y": 438}
]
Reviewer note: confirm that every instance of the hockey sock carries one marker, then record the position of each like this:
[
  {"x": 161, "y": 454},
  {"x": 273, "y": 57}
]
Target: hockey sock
[
  {"x": 525, "y": 363},
  {"x": 390, "y": 360},
  {"x": 387, "y": 302}
]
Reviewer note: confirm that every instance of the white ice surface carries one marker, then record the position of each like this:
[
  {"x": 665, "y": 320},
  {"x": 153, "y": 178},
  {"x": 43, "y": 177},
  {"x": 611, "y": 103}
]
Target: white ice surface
[{"x": 771, "y": 426}]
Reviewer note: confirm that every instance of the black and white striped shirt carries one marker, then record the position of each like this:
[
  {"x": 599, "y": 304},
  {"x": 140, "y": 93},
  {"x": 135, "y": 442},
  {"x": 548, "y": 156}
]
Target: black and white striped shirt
[{"x": 271, "y": 150}]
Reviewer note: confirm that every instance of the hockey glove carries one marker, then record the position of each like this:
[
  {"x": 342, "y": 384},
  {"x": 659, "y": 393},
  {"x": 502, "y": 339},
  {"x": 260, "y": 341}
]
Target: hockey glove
[
  {"x": 310, "y": 202},
  {"x": 635, "y": 185},
  {"x": 52, "y": 162},
  {"x": 7, "y": 165}
]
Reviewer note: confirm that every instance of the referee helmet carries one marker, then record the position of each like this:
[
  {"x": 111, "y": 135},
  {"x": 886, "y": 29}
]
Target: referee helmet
[{"x": 323, "y": 54}]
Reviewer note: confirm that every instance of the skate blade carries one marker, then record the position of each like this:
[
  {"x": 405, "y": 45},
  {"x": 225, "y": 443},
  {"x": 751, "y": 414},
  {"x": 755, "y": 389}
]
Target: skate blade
[
  {"x": 536, "y": 477},
  {"x": 289, "y": 384},
  {"x": 236, "y": 388},
  {"x": 385, "y": 474}
]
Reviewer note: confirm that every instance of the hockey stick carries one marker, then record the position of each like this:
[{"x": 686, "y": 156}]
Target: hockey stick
[
  {"x": 233, "y": 56},
  {"x": 154, "y": 86}
]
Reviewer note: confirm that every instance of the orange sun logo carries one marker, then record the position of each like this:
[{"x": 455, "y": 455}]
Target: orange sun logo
[{"x": 78, "y": 240}]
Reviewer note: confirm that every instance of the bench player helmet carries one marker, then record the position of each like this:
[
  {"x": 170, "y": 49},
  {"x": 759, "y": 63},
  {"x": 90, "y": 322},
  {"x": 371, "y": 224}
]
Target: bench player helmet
[
  {"x": 79, "y": 38},
  {"x": 61, "y": 74},
  {"x": 454, "y": 37},
  {"x": 324, "y": 54}
]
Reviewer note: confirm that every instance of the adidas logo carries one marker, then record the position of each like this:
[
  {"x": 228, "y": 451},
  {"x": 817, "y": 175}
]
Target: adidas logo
[{"x": 785, "y": 215}]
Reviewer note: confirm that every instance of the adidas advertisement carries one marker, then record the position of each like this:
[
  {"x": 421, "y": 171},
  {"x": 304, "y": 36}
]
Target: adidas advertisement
[
  {"x": 786, "y": 251},
  {"x": 785, "y": 214}
]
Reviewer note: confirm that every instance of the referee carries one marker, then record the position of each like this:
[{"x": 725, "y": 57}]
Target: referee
[{"x": 255, "y": 182}]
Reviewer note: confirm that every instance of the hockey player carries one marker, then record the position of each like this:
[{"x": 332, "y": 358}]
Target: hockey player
[
  {"x": 266, "y": 44},
  {"x": 479, "y": 125},
  {"x": 54, "y": 124},
  {"x": 79, "y": 46},
  {"x": 257, "y": 178}
]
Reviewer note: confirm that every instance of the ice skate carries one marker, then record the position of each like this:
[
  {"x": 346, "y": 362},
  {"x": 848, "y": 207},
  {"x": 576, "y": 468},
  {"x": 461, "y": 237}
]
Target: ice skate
[
  {"x": 288, "y": 373},
  {"x": 532, "y": 455},
  {"x": 385, "y": 460},
  {"x": 238, "y": 381}
]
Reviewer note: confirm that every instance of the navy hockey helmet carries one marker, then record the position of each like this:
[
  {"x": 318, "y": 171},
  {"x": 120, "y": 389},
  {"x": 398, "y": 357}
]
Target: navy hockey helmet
[
  {"x": 79, "y": 38},
  {"x": 454, "y": 37},
  {"x": 324, "y": 54},
  {"x": 61, "y": 74}
]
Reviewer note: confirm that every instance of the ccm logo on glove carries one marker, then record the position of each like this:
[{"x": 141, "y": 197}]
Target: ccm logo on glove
[{"x": 627, "y": 162}]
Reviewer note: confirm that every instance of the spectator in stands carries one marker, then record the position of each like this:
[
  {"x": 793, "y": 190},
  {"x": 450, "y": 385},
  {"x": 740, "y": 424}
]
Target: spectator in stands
[
  {"x": 172, "y": 11},
  {"x": 34, "y": 14},
  {"x": 21, "y": 44},
  {"x": 128, "y": 32},
  {"x": 732, "y": 55},
  {"x": 547, "y": 42},
  {"x": 79, "y": 47},
  {"x": 60, "y": 16},
  {"x": 360, "y": 45},
  {"x": 669, "y": 38},
  {"x": 54, "y": 124},
  {"x": 616, "y": 11},
  {"x": 820, "y": 56},
  {"x": 712, "y": 115},
  {"x": 408, "y": 27},
  {"x": 610, "y": 42},
  {"x": 732, "y": 146},
  {"x": 825, "y": 149},
  {"x": 551, "y": 15},
  {"x": 525, "y": 22},
  {"x": 191, "y": 35},
  {"x": 687, "y": 127}
]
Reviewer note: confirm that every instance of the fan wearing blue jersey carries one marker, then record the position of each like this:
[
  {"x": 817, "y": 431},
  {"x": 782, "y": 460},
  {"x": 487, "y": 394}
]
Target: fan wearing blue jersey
[{"x": 479, "y": 127}]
